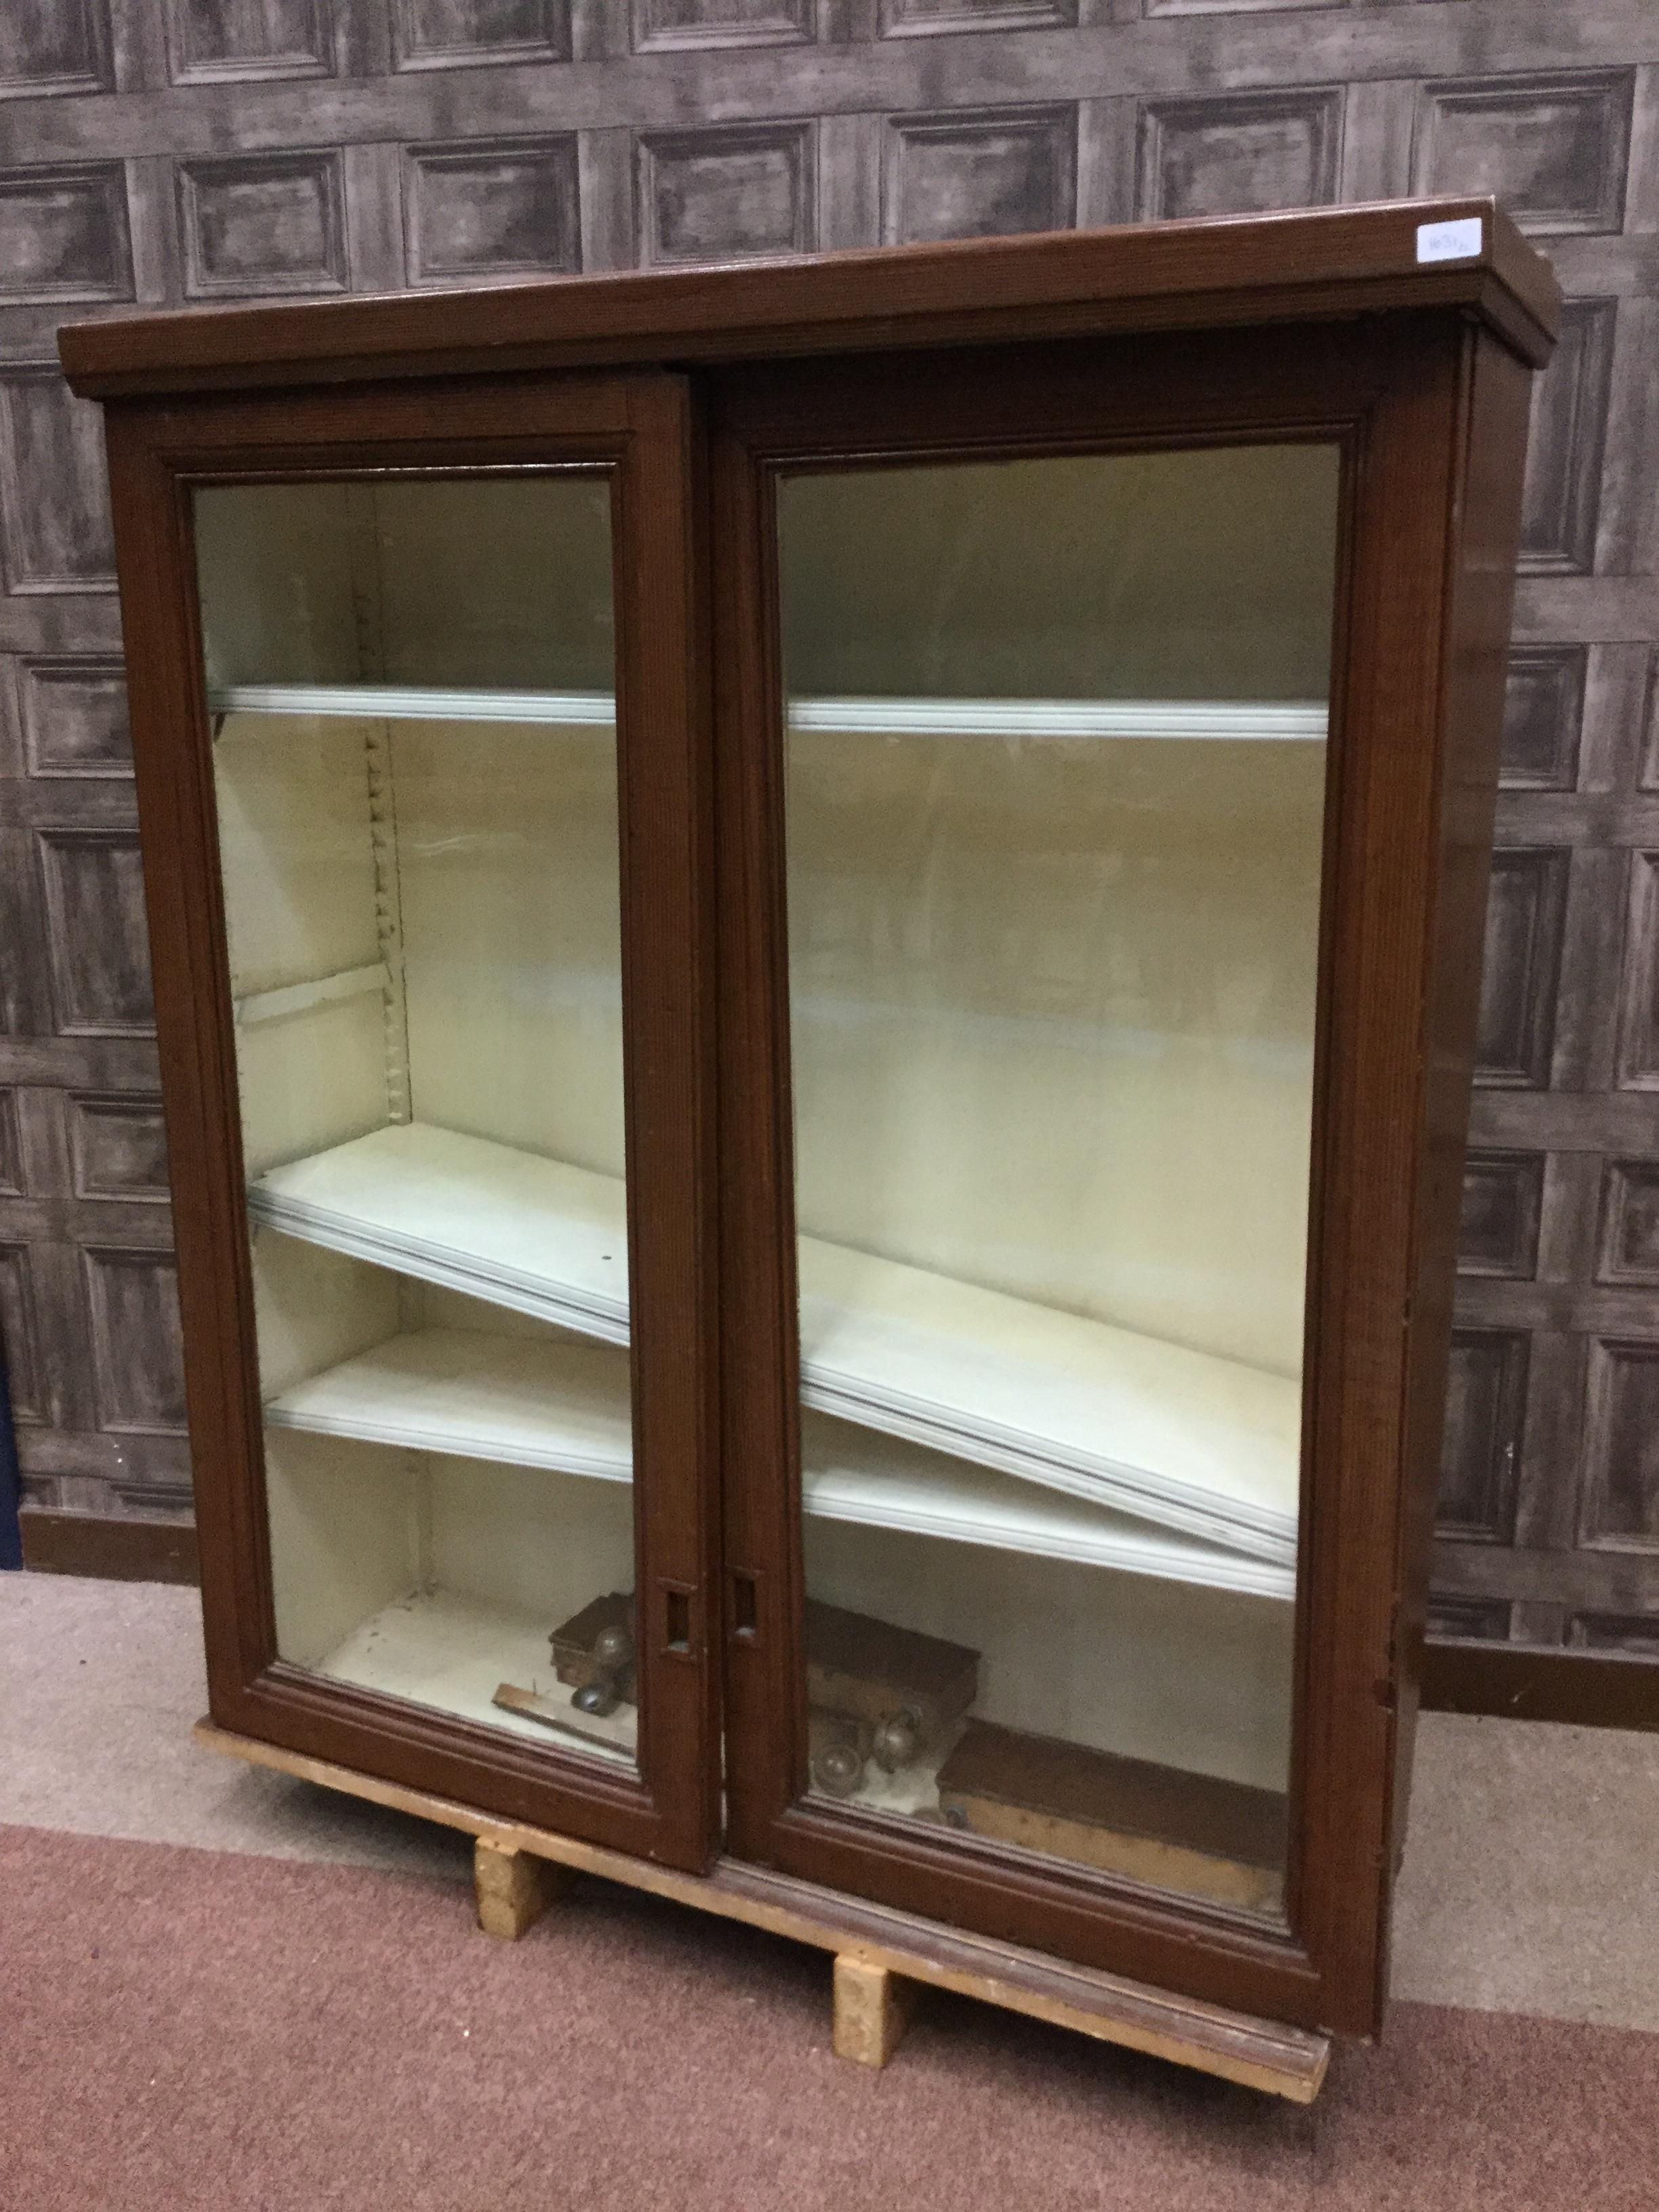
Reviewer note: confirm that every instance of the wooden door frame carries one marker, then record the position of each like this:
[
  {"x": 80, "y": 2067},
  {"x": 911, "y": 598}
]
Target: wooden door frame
[
  {"x": 1419, "y": 644},
  {"x": 640, "y": 428}
]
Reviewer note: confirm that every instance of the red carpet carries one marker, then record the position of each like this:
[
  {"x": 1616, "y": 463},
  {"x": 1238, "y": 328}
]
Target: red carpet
[{"x": 183, "y": 2029}]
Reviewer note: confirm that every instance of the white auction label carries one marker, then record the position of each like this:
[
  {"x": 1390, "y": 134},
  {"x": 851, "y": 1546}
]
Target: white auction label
[{"x": 1449, "y": 242}]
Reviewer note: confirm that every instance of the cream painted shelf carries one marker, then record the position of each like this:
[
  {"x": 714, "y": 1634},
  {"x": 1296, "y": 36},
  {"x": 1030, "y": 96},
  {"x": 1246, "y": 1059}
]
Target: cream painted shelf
[
  {"x": 1206, "y": 1446},
  {"x": 849, "y": 1474},
  {"x": 504, "y": 1398},
  {"x": 451, "y": 1652},
  {"x": 566, "y": 1406},
  {"x": 405, "y": 702},
  {"x": 530, "y": 1234},
  {"x": 1224, "y": 718}
]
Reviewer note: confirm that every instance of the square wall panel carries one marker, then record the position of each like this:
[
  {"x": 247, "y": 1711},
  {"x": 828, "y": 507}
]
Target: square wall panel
[
  {"x": 1543, "y": 717},
  {"x": 986, "y": 175},
  {"x": 684, "y": 26},
  {"x": 64, "y": 233},
  {"x": 1618, "y": 1497},
  {"x": 1562, "y": 498},
  {"x": 1554, "y": 148},
  {"x": 261, "y": 223},
  {"x": 494, "y": 208},
  {"x": 54, "y": 46},
  {"x": 453, "y": 34},
  {"x": 1485, "y": 1407},
  {"x": 727, "y": 195},
  {"x": 75, "y": 717},
  {"x": 54, "y": 501},
  {"x": 234, "y": 41},
  {"x": 132, "y": 1298},
  {"x": 1245, "y": 153}
]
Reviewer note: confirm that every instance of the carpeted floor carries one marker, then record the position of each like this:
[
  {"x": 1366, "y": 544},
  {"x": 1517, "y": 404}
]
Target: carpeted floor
[{"x": 301, "y": 2016}]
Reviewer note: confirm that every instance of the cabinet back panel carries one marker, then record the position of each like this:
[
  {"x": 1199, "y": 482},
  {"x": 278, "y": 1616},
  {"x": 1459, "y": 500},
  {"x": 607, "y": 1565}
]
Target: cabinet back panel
[
  {"x": 279, "y": 592},
  {"x": 315, "y": 1308},
  {"x": 295, "y": 848},
  {"x": 298, "y": 862},
  {"x": 344, "y": 1538},
  {"x": 507, "y": 846},
  {"x": 445, "y": 582},
  {"x": 1196, "y": 1679},
  {"x": 435, "y": 1578},
  {"x": 1183, "y": 575},
  {"x": 312, "y": 1081},
  {"x": 528, "y": 1538},
  {"x": 985, "y": 933}
]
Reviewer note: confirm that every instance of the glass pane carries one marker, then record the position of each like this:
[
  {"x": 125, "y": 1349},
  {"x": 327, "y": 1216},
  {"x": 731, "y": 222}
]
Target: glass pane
[
  {"x": 415, "y": 763},
  {"x": 1056, "y": 777}
]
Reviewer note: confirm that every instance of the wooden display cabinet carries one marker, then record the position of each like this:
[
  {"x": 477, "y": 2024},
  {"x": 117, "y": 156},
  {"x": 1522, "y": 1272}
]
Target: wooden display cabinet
[{"x": 817, "y": 932}]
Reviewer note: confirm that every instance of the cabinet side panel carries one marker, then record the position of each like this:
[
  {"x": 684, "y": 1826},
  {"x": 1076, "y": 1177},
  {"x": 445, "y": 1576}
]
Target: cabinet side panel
[
  {"x": 195, "y": 1033},
  {"x": 1482, "y": 599}
]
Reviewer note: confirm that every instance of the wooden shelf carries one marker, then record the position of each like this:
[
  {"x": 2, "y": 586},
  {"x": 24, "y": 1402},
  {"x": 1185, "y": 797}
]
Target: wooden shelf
[
  {"x": 409, "y": 702},
  {"x": 564, "y": 1405},
  {"x": 1206, "y": 1446},
  {"x": 530, "y": 1234},
  {"x": 1301, "y": 720},
  {"x": 850, "y": 1473},
  {"x": 504, "y": 1398}
]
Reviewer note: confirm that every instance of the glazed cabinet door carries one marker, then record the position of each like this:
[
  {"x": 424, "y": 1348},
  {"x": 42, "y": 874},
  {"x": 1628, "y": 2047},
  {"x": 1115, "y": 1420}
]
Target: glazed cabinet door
[
  {"x": 1072, "y": 759},
  {"x": 417, "y": 712}
]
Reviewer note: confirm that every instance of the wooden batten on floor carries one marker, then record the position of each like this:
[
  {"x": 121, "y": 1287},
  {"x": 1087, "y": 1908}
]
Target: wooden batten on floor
[
  {"x": 1523, "y": 1682},
  {"x": 108, "y": 1547},
  {"x": 878, "y": 1952}
]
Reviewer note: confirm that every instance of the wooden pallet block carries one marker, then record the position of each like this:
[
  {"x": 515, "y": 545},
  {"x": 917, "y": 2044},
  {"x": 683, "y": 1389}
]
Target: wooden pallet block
[
  {"x": 872, "y": 2009},
  {"x": 881, "y": 1955},
  {"x": 513, "y": 1888}
]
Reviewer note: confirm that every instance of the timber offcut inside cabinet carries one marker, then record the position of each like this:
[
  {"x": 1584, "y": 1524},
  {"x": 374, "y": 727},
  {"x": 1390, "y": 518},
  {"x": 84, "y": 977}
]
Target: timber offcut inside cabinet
[{"x": 816, "y": 933}]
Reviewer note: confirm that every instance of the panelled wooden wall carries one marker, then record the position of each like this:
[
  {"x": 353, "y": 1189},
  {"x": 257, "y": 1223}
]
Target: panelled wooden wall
[{"x": 163, "y": 151}]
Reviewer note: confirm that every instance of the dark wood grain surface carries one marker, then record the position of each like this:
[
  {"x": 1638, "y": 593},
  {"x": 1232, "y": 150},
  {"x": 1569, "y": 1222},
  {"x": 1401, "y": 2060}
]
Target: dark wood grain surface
[
  {"x": 1276, "y": 268},
  {"x": 1100, "y": 1788}
]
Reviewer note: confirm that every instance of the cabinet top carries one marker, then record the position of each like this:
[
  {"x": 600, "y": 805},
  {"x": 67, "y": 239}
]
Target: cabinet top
[{"x": 1463, "y": 254}]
